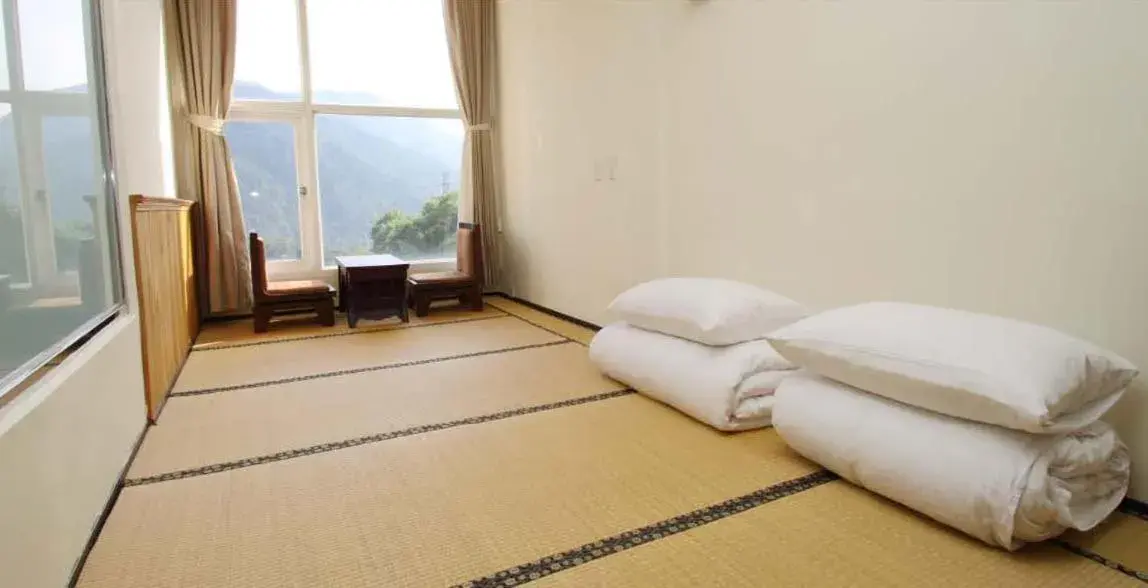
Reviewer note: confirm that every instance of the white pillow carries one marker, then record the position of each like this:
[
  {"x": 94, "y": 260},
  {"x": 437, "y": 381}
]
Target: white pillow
[
  {"x": 972, "y": 366},
  {"x": 706, "y": 310}
]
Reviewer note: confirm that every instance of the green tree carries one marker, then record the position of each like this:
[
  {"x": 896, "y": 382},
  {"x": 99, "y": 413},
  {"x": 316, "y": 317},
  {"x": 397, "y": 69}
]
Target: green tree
[
  {"x": 275, "y": 247},
  {"x": 430, "y": 233},
  {"x": 395, "y": 233}
]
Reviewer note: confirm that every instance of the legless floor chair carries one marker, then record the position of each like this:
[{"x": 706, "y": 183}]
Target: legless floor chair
[
  {"x": 463, "y": 283},
  {"x": 287, "y": 297}
]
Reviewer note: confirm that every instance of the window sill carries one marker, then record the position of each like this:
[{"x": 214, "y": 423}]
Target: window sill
[
  {"x": 36, "y": 369},
  {"x": 329, "y": 273}
]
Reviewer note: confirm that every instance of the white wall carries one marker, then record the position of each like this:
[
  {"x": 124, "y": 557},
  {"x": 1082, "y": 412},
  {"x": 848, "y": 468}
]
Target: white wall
[
  {"x": 138, "y": 106},
  {"x": 63, "y": 444},
  {"x": 65, "y": 441},
  {"x": 981, "y": 155},
  {"x": 135, "y": 36}
]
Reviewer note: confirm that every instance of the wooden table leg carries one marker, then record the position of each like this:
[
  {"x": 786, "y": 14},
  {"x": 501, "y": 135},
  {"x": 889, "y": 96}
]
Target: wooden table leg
[
  {"x": 342, "y": 271},
  {"x": 404, "y": 308},
  {"x": 348, "y": 284}
]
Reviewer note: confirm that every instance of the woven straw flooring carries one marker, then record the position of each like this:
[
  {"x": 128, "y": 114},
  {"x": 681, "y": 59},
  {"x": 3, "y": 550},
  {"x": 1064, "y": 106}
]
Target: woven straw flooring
[
  {"x": 835, "y": 535},
  {"x": 211, "y": 428},
  {"x": 239, "y": 332},
  {"x": 244, "y": 366},
  {"x": 483, "y": 449}
]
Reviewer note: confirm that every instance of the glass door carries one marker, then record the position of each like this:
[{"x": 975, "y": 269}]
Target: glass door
[{"x": 265, "y": 154}]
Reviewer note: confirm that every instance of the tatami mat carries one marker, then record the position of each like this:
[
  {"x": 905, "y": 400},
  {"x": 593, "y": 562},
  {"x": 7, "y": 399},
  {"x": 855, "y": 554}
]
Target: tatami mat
[
  {"x": 834, "y": 535},
  {"x": 200, "y": 430},
  {"x": 1122, "y": 538},
  {"x": 433, "y": 509},
  {"x": 221, "y": 335},
  {"x": 465, "y": 444},
  {"x": 267, "y": 363}
]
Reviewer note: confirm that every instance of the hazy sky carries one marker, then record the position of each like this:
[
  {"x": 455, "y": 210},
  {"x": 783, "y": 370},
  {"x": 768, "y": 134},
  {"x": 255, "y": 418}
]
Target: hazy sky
[
  {"x": 394, "y": 49},
  {"x": 52, "y": 38}
]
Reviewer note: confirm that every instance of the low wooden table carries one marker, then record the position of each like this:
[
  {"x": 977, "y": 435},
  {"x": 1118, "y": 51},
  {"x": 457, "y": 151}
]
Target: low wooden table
[{"x": 372, "y": 287}]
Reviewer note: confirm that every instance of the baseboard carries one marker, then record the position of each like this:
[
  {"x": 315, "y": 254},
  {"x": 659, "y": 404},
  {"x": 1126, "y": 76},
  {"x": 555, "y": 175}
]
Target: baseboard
[
  {"x": 1135, "y": 507},
  {"x": 549, "y": 311},
  {"x": 78, "y": 568}
]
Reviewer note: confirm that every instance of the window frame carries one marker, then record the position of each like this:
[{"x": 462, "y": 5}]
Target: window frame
[
  {"x": 29, "y": 109},
  {"x": 303, "y": 114}
]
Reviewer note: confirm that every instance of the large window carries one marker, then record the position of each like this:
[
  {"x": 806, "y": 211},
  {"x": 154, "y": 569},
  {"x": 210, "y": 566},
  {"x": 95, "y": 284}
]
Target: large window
[
  {"x": 59, "y": 273},
  {"x": 345, "y": 130}
]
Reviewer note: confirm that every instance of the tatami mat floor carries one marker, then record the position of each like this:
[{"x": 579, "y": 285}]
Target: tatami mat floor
[{"x": 482, "y": 448}]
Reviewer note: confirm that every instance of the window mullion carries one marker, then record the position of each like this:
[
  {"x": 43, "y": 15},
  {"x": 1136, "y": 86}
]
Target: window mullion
[
  {"x": 309, "y": 208},
  {"x": 304, "y": 50},
  {"x": 39, "y": 246},
  {"x": 257, "y": 110},
  {"x": 12, "y": 40},
  {"x": 311, "y": 227},
  {"x": 403, "y": 111}
]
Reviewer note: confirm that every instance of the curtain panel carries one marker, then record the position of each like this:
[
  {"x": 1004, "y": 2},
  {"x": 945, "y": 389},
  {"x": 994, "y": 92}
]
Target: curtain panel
[
  {"x": 200, "y": 39},
  {"x": 470, "y": 28}
]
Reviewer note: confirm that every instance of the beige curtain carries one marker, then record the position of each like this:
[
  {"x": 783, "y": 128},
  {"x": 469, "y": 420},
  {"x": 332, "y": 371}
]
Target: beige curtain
[
  {"x": 201, "y": 67},
  {"x": 471, "y": 36}
]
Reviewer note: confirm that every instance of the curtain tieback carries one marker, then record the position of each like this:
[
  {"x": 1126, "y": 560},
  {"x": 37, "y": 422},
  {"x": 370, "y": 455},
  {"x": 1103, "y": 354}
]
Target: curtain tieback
[
  {"x": 479, "y": 127},
  {"x": 207, "y": 123}
]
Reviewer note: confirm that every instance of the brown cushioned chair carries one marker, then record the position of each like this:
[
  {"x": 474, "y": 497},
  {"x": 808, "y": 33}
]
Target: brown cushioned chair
[
  {"x": 464, "y": 283},
  {"x": 286, "y": 297}
]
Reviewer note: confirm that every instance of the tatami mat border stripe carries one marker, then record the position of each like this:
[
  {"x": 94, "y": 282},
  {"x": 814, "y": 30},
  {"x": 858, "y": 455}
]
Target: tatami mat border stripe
[
  {"x": 348, "y": 443},
  {"x": 1100, "y": 559},
  {"x": 360, "y": 370},
  {"x": 635, "y": 537},
  {"x": 200, "y": 347},
  {"x": 534, "y": 324}
]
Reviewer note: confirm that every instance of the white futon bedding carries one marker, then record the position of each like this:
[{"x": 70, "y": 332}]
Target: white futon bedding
[
  {"x": 1002, "y": 486},
  {"x": 729, "y": 388}
]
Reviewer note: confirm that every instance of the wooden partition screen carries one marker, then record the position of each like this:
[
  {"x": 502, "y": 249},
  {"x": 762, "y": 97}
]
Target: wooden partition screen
[{"x": 165, "y": 280}]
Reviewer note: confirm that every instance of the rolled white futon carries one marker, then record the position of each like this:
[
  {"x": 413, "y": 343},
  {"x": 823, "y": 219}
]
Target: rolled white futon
[
  {"x": 728, "y": 387},
  {"x": 1002, "y": 486}
]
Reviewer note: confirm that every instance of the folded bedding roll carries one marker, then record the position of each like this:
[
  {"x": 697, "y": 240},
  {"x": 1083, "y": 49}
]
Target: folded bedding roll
[
  {"x": 1002, "y": 486},
  {"x": 729, "y": 388},
  {"x": 978, "y": 367}
]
